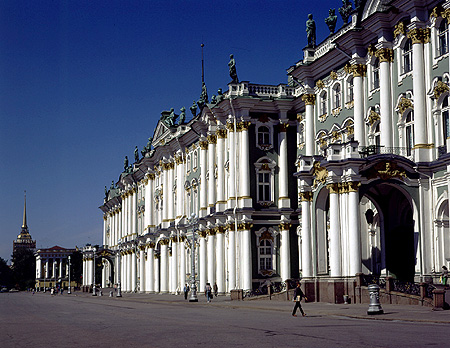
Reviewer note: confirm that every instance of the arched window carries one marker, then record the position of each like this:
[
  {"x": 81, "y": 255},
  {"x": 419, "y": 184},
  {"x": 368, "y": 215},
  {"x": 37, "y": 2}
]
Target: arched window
[
  {"x": 409, "y": 132},
  {"x": 263, "y": 135},
  {"x": 265, "y": 181},
  {"x": 337, "y": 96},
  {"x": 407, "y": 56},
  {"x": 443, "y": 37},
  {"x": 350, "y": 89},
  {"x": 376, "y": 74},
  {"x": 265, "y": 255},
  {"x": 323, "y": 103},
  {"x": 194, "y": 160},
  {"x": 445, "y": 119}
]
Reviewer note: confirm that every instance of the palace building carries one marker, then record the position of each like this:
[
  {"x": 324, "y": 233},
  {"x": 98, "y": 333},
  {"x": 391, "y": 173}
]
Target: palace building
[{"x": 342, "y": 171}]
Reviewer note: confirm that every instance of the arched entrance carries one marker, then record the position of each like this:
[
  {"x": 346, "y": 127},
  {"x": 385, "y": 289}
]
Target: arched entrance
[
  {"x": 390, "y": 244},
  {"x": 106, "y": 261}
]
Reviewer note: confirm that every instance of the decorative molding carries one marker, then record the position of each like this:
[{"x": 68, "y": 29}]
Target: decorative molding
[
  {"x": 212, "y": 139},
  {"x": 306, "y": 196},
  {"x": 400, "y": 29},
  {"x": 300, "y": 117},
  {"x": 221, "y": 134},
  {"x": 373, "y": 117},
  {"x": 230, "y": 126},
  {"x": 440, "y": 89},
  {"x": 284, "y": 226},
  {"x": 203, "y": 144},
  {"x": 243, "y": 126},
  {"x": 353, "y": 186},
  {"x": 386, "y": 170},
  {"x": 333, "y": 188},
  {"x": 404, "y": 104},
  {"x": 320, "y": 174},
  {"x": 333, "y": 75},
  {"x": 320, "y": 84}
]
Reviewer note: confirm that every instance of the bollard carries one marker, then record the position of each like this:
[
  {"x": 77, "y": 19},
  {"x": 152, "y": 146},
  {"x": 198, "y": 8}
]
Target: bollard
[
  {"x": 111, "y": 294},
  {"x": 374, "y": 305}
]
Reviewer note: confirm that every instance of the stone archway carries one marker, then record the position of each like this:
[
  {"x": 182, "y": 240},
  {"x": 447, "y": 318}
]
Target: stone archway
[{"x": 392, "y": 218}]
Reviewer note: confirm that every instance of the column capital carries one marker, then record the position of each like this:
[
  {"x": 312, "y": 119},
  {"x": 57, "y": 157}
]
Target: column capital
[
  {"x": 419, "y": 35},
  {"x": 203, "y": 144},
  {"x": 309, "y": 99},
  {"x": 353, "y": 186},
  {"x": 202, "y": 234},
  {"x": 283, "y": 127},
  {"x": 333, "y": 188},
  {"x": 284, "y": 226},
  {"x": 358, "y": 70},
  {"x": 212, "y": 139},
  {"x": 243, "y": 126},
  {"x": 164, "y": 241},
  {"x": 230, "y": 126},
  {"x": 306, "y": 196},
  {"x": 178, "y": 159},
  {"x": 244, "y": 226},
  {"x": 385, "y": 54},
  {"x": 221, "y": 134}
]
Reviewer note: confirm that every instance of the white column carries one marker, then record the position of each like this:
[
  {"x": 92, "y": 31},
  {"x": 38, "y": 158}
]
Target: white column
[
  {"x": 106, "y": 217},
  {"x": 221, "y": 202},
  {"x": 157, "y": 275},
  {"x": 150, "y": 269},
  {"x": 182, "y": 262},
  {"x": 231, "y": 258},
  {"x": 211, "y": 256},
  {"x": 148, "y": 202},
  {"x": 38, "y": 268},
  {"x": 359, "y": 72},
  {"x": 220, "y": 260},
  {"x": 334, "y": 232},
  {"x": 164, "y": 266},
  {"x": 180, "y": 186},
  {"x": 283, "y": 176},
  {"x": 354, "y": 229},
  {"x": 203, "y": 170},
  {"x": 244, "y": 197},
  {"x": 202, "y": 251},
  {"x": 310, "y": 101},
  {"x": 142, "y": 282},
  {"x": 285, "y": 252},
  {"x": 212, "y": 140},
  {"x": 419, "y": 37},
  {"x": 166, "y": 192},
  {"x": 232, "y": 166},
  {"x": 134, "y": 212},
  {"x": 306, "y": 235},
  {"x": 171, "y": 203},
  {"x": 246, "y": 262},
  {"x": 84, "y": 271},
  {"x": 386, "y": 56},
  {"x": 174, "y": 270},
  {"x": 60, "y": 268}
]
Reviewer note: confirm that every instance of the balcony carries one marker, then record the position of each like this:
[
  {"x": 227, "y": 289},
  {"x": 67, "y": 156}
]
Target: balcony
[{"x": 262, "y": 91}]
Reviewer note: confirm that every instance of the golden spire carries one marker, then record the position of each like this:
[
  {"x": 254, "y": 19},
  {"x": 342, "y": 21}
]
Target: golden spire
[{"x": 24, "y": 224}]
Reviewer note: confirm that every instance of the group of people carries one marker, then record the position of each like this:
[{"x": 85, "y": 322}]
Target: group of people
[{"x": 210, "y": 292}]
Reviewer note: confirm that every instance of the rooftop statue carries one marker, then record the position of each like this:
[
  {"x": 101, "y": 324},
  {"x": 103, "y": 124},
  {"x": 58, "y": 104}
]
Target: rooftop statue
[
  {"x": 147, "y": 147},
  {"x": 106, "y": 192},
  {"x": 311, "y": 31},
  {"x": 331, "y": 20},
  {"x": 345, "y": 10},
  {"x": 232, "y": 67},
  {"x": 219, "y": 97},
  {"x": 173, "y": 117},
  {"x": 168, "y": 117},
  {"x": 112, "y": 184},
  {"x": 203, "y": 97},
  {"x": 125, "y": 164},
  {"x": 182, "y": 115},
  {"x": 193, "y": 108},
  {"x": 136, "y": 154},
  {"x": 213, "y": 99}
]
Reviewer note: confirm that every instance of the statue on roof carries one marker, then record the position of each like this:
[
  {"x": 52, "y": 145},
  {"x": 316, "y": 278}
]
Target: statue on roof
[
  {"x": 172, "y": 117},
  {"x": 311, "y": 31},
  {"x": 112, "y": 185},
  {"x": 168, "y": 117},
  {"x": 182, "y": 115},
  {"x": 345, "y": 10},
  {"x": 106, "y": 192},
  {"x": 232, "y": 67},
  {"x": 125, "y": 164},
  {"x": 331, "y": 20},
  {"x": 203, "y": 97},
  {"x": 219, "y": 97},
  {"x": 136, "y": 154},
  {"x": 147, "y": 147},
  {"x": 213, "y": 99},
  {"x": 193, "y": 108}
]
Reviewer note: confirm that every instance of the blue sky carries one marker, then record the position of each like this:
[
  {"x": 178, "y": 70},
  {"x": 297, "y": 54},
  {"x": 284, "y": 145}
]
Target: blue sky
[{"x": 83, "y": 82}]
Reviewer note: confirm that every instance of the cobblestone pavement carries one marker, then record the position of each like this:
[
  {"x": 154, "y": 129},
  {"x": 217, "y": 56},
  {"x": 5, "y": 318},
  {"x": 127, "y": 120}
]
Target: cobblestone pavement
[{"x": 153, "y": 320}]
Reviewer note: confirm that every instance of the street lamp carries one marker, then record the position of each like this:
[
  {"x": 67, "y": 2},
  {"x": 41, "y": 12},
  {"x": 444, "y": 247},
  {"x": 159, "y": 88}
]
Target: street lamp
[
  {"x": 54, "y": 270},
  {"x": 93, "y": 287},
  {"x": 45, "y": 274},
  {"x": 193, "y": 220},
  {"x": 68, "y": 290}
]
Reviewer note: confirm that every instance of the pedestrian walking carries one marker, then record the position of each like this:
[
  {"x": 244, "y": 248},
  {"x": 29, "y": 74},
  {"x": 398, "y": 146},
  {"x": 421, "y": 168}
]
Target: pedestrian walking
[
  {"x": 444, "y": 275},
  {"x": 208, "y": 292},
  {"x": 216, "y": 289},
  {"x": 186, "y": 291},
  {"x": 298, "y": 296}
]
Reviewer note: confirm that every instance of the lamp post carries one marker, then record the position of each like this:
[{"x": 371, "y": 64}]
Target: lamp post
[
  {"x": 45, "y": 274},
  {"x": 54, "y": 270},
  {"x": 193, "y": 220},
  {"x": 93, "y": 267},
  {"x": 68, "y": 289}
]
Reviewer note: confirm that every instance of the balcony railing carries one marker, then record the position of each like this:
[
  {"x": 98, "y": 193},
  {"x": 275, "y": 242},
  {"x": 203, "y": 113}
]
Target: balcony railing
[{"x": 370, "y": 150}]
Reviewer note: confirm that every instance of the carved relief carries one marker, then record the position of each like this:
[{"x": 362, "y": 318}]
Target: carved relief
[
  {"x": 439, "y": 89},
  {"x": 320, "y": 174},
  {"x": 386, "y": 170}
]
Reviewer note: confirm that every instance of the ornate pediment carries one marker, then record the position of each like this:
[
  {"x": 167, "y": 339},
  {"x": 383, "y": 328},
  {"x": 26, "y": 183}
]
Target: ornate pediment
[
  {"x": 161, "y": 132},
  {"x": 386, "y": 170}
]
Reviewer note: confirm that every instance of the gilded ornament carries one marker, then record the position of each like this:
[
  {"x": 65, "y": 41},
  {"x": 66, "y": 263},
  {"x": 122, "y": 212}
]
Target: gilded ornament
[
  {"x": 203, "y": 145},
  {"x": 212, "y": 139},
  {"x": 300, "y": 117},
  {"x": 320, "y": 174},
  {"x": 151, "y": 244},
  {"x": 284, "y": 226},
  {"x": 385, "y": 55},
  {"x": 309, "y": 99},
  {"x": 373, "y": 117},
  {"x": 322, "y": 142},
  {"x": 404, "y": 104},
  {"x": 320, "y": 84},
  {"x": 245, "y": 226},
  {"x": 333, "y": 75},
  {"x": 419, "y": 35},
  {"x": 350, "y": 130},
  {"x": 322, "y": 118},
  {"x": 283, "y": 127},
  {"x": 230, "y": 126},
  {"x": 243, "y": 126},
  {"x": 266, "y": 235},
  {"x": 440, "y": 88},
  {"x": 164, "y": 241},
  {"x": 178, "y": 159},
  {"x": 400, "y": 29},
  {"x": 336, "y": 135},
  {"x": 333, "y": 188},
  {"x": 386, "y": 170},
  {"x": 353, "y": 186},
  {"x": 306, "y": 196},
  {"x": 359, "y": 70},
  {"x": 221, "y": 134},
  {"x": 202, "y": 234},
  {"x": 437, "y": 11},
  {"x": 263, "y": 118},
  {"x": 371, "y": 50}
]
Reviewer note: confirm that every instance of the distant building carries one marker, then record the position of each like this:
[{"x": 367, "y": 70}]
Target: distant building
[
  {"x": 24, "y": 240},
  {"x": 52, "y": 267}
]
